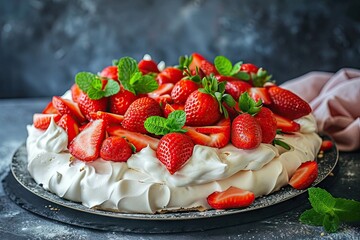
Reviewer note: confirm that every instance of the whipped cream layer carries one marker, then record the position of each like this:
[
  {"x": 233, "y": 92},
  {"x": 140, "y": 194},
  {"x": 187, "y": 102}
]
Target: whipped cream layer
[{"x": 143, "y": 184}]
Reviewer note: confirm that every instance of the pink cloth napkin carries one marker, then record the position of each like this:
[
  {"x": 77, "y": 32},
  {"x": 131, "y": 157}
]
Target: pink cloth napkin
[{"x": 335, "y": 101}]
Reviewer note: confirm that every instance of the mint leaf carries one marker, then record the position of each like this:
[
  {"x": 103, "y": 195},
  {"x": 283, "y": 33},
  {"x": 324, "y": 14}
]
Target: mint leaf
[
  {"x": 127, "y": 67},
  {"x": 312, "y": 217},
  {"x": 156, "y": 125},
  {"x": 95, "y": 94},
  {"x": 347, "y": 210},
  {"x": 223, "y": 65},
  {"x": 84, "y": 80},
  {"x": 135, "y": 77},
  {"x": 146, "y": 84},
  {"x": 281, "y": 143},
  {"x": 177, "y": 119},
  {"x": 331, "y": 223},
  {"x": 321, "y": 200},
  {"x": 111, "y": 88}
]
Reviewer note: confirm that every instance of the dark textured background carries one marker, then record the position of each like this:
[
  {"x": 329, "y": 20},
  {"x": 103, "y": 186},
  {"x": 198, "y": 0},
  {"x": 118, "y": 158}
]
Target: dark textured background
[{"x": 45, "y": 43}]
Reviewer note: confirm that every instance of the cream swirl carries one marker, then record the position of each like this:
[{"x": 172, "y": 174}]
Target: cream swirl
[{"x": 54, "y": 139}]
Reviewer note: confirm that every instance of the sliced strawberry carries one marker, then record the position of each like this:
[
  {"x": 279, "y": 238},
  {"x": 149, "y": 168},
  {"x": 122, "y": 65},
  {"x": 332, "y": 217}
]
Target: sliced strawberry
[
  {"x": 245, "y": 132},
  {"x": 236, "y": 88},
  {"x": 65, "y": 106},
  {"x": 88, "y": 105},
  {"x": 71, "y": 127},
  {"x": 326, "y": 145},
  {"x": 268, "y": 124},
  {"x": 75, "y": 92},
  {"x": 109, "y": 118},
  {"x": 115, "y": 149},
  {"x": 196, "y": 61},
  {"x": 162, "y": 90},
  {"x": 232, "y": 197},
  {"x": 42, "y": 121},
  {"x": 213, "y": 136},
  {"x": 182, "y": 90},
  {"x": 148, "y": 66},
  {"x": 139, "y": 140},
  {"x": 174, "y": 150},
  {"x": 287, "y": 103},
  {"x": 286, "y": 125},
  {"x": 169, "y": 75},
  {"x": 50, "y": 109},
  {"x": 121, "y": 101},
  {"x": 258, "y": 93},
  {"x": 86, "y": 145},
  {"x": 168, "y": 108},
  {"x": 305, "y": 175},
  {"x": 110, "y": 72}
]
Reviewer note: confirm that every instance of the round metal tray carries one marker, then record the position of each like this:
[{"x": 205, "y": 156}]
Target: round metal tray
[{"x": 22, "y": 189}]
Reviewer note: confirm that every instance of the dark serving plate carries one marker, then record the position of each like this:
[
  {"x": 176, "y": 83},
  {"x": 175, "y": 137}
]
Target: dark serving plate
[{"x": 24, "y": 191}]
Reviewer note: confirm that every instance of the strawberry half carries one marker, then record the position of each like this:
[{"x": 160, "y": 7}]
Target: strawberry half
[
  {"x": 138, "y": 112},
  {"x": 139, "y": 140},
  {"x": 286, "y": 125},
  {"x": 232, "y": 197},
  {"x": 115, "y": 149},
  {"x": 245, "y": 132},
  {"x": 42, "y": 121},
  {"x": 174, "y": 150},
  {"x": 70, "y": 126},
  {"x": 65, "y": 106},
  {"x": 213, "y": 136},
  {"x": 305, "y": 175},
  {"x": 287, "y": 104},
  {"x": 109, "y": 118},
  {"x": 75, "y": 92},
  {"x": 50, "y": 109},
  {"x": 148, "y": 66},
  {"x": 268, "y": 124},
  {"x": 86, "y": 145}
]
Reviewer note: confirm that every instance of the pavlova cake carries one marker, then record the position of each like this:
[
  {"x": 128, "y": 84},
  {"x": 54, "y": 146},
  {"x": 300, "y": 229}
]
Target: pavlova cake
[{"x": 139, "y": 137}]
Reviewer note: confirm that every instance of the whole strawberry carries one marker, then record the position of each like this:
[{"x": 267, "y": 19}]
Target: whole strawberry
[
  {"x": 110, "y": 72},
  {"x": 174, "y": 150},
  {"x": 182, "y": 90},
  {"x": 245, "y": 132},
  {"x": 268, "y": 124},
  {"x": 287, "y": 104},
  {"x": 138, "y": 112},
  {"x": 115, "y": 149},
  {"x": 201, "y": 109},
  {"x": 121, "y": 101},
  {"x": 88, "y": 105}
]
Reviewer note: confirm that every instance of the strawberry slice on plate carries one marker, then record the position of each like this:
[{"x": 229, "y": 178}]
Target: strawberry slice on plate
[
  {"x": 139, "y": 140},
  {"x": 213, "y": 136},
  {"x": 86, "y": 145},
  {"x": 42, "y": 121},
  {"x": 232, "y": 197},
  {"x": 305, "y": 175}
]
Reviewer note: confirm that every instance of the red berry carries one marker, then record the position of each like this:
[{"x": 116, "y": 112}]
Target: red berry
[
  {"x": 121, "y": 101},
  {"x": 182, "y": 90},
  {"x": 148, "y": 66},
  {"x": 232, "y": 197},
  {"x": 305, "y": 175},
  {"x": 236, "y": 88},
  {"x": 326, "y": 145},
  {"x": 71, "y": 127},
  {"x": 110, "y": 72},
  {"x": 88, "y": 105},
  {"x": 245, "y": 132},
  {"x": 267, "y": 122},
  {"x": 174, "y": 150},
  {"x": 42, "y": 121},
  {"x": 115, "y": 149}
]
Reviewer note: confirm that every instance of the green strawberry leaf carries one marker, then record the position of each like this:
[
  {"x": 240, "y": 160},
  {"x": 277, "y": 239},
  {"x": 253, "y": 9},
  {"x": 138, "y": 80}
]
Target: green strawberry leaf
[
  {"x": 235, "y": 69},
  {"x": 223, "y": 65},
  {"x": 312, "y": 217},
  {"x": 321, "y": 200},
  {"x": 248, "y": 105},
  {"x": 243, "y": 76},
  {"x": 229, "y": 100},
  {"x": 184, "y": 62}
]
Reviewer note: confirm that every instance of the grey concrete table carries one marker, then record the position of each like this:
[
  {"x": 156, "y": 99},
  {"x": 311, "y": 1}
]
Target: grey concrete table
[{"x": 17, "y": 223}]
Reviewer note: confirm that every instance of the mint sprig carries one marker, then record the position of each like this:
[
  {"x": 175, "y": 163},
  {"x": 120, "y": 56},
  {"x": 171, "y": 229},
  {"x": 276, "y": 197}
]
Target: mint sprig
[
  {"x": 162, "y": 126},
  {"x": 328, "y": 211},
  {"x": 132, "y": 79},
  {"x": 92, "y": 85},
  {"x": 224, "y": 66}
]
